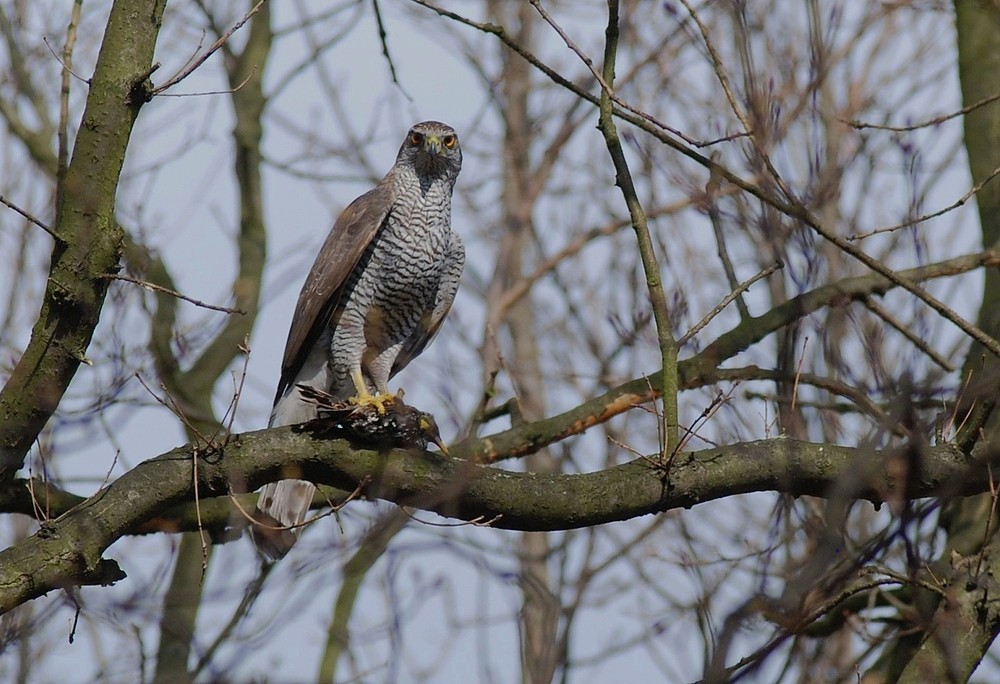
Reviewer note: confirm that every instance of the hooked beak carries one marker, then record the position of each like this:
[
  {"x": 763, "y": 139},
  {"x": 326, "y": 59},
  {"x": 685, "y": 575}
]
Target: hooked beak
[{"x": 432, "y": 145}]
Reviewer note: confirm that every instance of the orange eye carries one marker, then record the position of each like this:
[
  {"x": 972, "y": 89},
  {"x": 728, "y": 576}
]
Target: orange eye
[
  {"x": 416, "y": 138},
  {"x": 449, "y": 141}
]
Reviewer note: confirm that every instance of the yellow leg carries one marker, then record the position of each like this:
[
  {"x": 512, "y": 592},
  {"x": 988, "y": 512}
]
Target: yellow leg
[{"x": 366, "y": 398}]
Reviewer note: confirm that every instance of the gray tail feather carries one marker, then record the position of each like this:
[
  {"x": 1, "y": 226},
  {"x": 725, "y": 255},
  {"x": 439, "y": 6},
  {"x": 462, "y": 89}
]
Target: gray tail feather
[{"x": 281, "y": 506}]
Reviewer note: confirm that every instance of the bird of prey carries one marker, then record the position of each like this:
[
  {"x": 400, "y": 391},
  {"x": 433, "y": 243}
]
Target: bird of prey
[{"x": 376, "y": 295}]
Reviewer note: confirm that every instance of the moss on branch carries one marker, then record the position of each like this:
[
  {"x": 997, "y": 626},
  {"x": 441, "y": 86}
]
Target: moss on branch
[
  {"x": 69, "y": 550},
  {"x": 89, "y": 242}
]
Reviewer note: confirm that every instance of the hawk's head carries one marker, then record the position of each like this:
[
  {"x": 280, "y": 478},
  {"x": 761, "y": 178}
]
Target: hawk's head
[{"x": 432, "y": 148}]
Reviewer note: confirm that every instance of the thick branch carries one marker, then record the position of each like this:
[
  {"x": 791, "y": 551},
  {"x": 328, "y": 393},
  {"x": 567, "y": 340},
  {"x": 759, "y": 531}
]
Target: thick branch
[
  {"x": 90, "y": 243},
  {"x": 69, "y": 550}
]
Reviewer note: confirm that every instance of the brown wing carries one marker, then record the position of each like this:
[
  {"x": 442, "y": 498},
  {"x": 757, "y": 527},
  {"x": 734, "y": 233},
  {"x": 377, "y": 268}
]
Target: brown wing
[{"x": 354, "y": 230}]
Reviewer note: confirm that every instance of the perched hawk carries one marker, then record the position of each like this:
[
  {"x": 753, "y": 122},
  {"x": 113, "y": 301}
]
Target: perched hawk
[{"x": 376, "y": 295}]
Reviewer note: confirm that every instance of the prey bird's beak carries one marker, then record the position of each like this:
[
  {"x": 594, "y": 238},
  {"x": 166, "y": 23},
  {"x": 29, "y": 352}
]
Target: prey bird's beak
[
  {"x": 430, "y": 430},
  {"x": 440, "y": 444}
]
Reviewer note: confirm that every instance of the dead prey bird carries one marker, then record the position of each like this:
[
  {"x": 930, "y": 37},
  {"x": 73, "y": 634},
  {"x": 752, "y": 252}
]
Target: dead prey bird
[{"x": 399, "y": 426}]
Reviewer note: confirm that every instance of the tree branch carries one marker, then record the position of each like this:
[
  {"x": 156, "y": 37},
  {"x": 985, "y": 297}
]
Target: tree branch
[
  {"x": 700, "y": 369},
  {"x": 69, "y": 550},
  {"x": 791, "y": 207},
  {"x": 650, "y": 264},
  {"x": 90, "y": 243}
]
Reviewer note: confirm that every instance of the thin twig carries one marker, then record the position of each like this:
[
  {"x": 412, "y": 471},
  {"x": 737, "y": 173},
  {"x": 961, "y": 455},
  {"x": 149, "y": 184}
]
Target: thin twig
[
  {"x": 715, "y": 217},
  {"x": 926, "y": 217},
  {"x": 40, "y": 514},
  {"x": 604, "y": 82},
  {"x": 740, "y": 289},
  {"x": 177, "y": 78},
  {"x": 230, "y": 415},
  {"x": 478, "y": 521},
  {"x": 228, "y": 91},
  {"x": 63, "y": 130},
  {"x": 647, "y": 254},
  {"x": 59, "y": 59},
  {"x": 665, "y": 462},
  {"x": 886, "y": 316},
  {"x": 153, "y": 287},
  {"x": 174, "y": 408},
  {"x": 725, "y": 138},
  {"x": 798, "y": 372},
  {"x": 632, "y": 450},
  {"x": 989, "y": 522},
  {"x": 935, "y": 587},
  {"x": 31, "y": 219},
  {"x": 861, "y": 125},
  {"x": 718, "y": 401},
  {"x": 957, "y": 425},
  {"x": 202, "y": 537},
  {"x": 383, "y": 36},
  {"x": 201, "y": 40},
  {"x": 111, "y": 469},
  {"x": 71, "y": 592}
]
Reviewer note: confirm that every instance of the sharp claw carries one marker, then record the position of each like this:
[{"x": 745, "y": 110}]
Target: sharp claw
[{"x": 379, "y": 401}]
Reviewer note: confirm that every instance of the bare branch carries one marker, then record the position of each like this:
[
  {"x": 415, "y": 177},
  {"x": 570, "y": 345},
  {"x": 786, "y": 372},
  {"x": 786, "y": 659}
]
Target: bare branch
[
  {"x": 737, "y": 291},
  {"x": 861, "y": 125},
  {"x": 654, "y": 280},
  {"x": 153, "y": 287},
  {"x": 459, "y": 489},
  {"x": 972, "y": 192},
  {"x": 31, "y": 219},
  {"x": 213, "y": 48}
]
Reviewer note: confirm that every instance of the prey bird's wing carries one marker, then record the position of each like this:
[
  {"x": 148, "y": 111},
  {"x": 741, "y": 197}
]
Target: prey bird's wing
[{"x": 321, "y": 293}]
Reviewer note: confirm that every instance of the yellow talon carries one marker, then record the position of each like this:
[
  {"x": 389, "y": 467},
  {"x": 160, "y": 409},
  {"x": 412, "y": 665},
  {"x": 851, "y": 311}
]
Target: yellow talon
[
  {"x": 379, "y": 401},
  {"x": 365, "y": 398}
]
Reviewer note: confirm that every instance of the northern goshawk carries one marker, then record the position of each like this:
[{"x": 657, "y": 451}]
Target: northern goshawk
[{"x": 376, "y": 295}]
